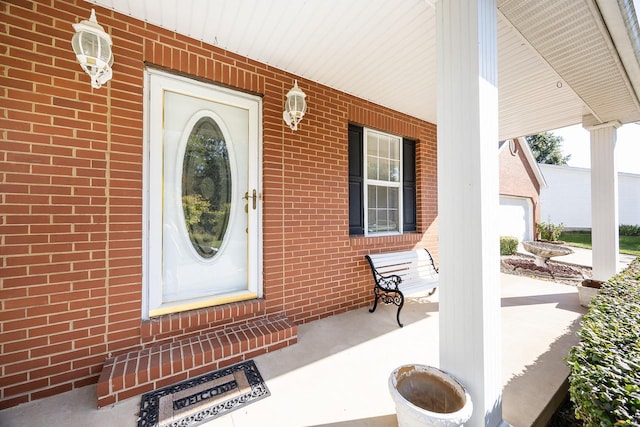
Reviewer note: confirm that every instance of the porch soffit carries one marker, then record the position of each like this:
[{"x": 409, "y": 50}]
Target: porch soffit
[
  {"x": 556, "y": 59},
  {"x": 572, "y": 37}
]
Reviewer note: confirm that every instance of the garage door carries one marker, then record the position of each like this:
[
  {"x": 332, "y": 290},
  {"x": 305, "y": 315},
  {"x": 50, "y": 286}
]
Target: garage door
[{"x": 516, "y": 218}]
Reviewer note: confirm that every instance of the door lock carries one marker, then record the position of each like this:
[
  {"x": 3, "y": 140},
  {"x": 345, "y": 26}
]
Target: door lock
[{"x": 254, "y": 196}]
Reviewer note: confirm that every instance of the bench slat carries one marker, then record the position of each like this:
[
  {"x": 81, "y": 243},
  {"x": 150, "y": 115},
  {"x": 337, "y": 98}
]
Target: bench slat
[{"x": 415, "y": 289}]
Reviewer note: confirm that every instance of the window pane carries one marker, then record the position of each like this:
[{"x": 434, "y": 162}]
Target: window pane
[
  {"x": 383, "y": 209},
  {"x": 394, "y": 155},
  {"x": 394, "y": 150},
  {"x": 372, "y": 167},
  {"x": 371, "y": 223},
  {"x": 383, "y": 157},
  {"x": 383, "y": 223},
  {"x": 383, "y": 170},
  {"x": 372, "y": 145},
  {"x": 372, "y": 199},
  {"x": 392, "y": 198},
  {"x": 383, "y": 197},
  {"x": 394, "y": 172},
  {"x": 393, "y": 219},
  {"x": 384, "y": 147}
]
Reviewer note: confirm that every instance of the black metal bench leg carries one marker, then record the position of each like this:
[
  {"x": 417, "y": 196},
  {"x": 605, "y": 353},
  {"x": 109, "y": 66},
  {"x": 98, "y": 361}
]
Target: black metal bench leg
[
  {"x": 400, "y": 308},
  {"x": 376, "y": 296}
]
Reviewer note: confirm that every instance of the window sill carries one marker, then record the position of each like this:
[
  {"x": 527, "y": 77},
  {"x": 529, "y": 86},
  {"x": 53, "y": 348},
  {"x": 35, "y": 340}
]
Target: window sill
[{"x": 361, "y": 240}]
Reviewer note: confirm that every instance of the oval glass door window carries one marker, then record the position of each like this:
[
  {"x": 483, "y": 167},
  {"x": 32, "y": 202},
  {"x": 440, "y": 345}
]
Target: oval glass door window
[{"x": 206, "y": 187}]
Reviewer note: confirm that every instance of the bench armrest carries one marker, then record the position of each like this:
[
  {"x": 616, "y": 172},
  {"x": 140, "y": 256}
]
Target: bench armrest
[
  {"x": 431, "y": 258},
  {"x": 390, "y": 282}
]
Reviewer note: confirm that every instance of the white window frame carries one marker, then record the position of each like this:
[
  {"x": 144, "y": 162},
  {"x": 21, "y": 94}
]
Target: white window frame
[{"x": 379, "y": 183}]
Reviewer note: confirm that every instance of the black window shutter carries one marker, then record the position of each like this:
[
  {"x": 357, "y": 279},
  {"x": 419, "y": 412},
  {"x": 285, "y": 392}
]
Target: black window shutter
[
  {"x": 356, "y": 202},
  {"x": 409, "y": 185}
]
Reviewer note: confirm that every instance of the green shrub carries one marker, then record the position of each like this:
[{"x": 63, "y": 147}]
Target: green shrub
[
  {"x": 629, "y": 230},
  {"x": 508, "y": 245},
  {"x": 549, "y": 231},
  {"x": 605, "y": 365}
]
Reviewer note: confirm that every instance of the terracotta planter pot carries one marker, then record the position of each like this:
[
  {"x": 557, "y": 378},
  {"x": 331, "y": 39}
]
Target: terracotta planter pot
[
  {"x": 427, "y": 396},
  {"x": 587, "y": 290}
]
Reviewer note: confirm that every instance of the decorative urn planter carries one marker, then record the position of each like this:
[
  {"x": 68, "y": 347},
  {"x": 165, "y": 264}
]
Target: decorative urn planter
[
  {"x": 587, "y": 290},
  {"x": 427, "y": 396}
]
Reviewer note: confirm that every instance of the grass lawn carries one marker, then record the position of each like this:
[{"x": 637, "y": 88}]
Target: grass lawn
[{"x": 628, "y": 244}]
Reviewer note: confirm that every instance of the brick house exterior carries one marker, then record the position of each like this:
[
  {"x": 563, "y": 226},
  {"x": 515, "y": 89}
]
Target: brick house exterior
[
  {"x": 71, "y": 191},
  {"x": 520, "y": 176}
]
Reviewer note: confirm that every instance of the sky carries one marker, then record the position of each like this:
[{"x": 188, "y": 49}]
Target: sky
[{"x": 627, "y": 151}]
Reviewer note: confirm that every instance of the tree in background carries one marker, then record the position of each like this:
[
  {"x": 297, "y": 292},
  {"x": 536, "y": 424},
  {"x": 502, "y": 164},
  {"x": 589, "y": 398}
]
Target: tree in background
[{"x": 547, "y": 148}]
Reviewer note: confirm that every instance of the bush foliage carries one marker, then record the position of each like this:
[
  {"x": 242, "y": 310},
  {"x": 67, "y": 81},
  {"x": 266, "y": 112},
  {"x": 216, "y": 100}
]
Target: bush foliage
[
  {"x": 508, "y": 245},
  {"x": 629, "y": 230},
  {"x": 605, "y": 365},
  {"x": 549, "y": 231}
]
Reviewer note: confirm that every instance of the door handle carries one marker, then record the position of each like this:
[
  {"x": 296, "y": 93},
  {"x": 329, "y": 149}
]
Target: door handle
[{"x": 254, "y": 196}]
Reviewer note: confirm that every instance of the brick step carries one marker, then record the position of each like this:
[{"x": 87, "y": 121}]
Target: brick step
[{"x": 140, "y": 371}]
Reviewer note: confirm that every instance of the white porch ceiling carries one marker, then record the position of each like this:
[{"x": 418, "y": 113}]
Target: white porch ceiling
[{"x": 558, "y": 60}]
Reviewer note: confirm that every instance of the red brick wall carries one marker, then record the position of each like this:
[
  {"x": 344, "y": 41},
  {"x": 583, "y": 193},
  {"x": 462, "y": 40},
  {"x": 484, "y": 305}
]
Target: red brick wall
[
  {"x": 71, "y": 197},
  {"x": 517, "y": 178}
]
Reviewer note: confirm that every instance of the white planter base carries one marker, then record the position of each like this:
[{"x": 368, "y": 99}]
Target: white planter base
[
  {"x": 587, "y": 290},
  {"x": 585, "y": 295},
  {"x": 427, "y": 396}
]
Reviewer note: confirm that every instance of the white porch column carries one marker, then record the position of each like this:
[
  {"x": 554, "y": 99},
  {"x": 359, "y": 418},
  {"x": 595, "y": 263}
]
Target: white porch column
[
  {"x": 604, "y": 201},
  {"x": 470, "y": 342}
]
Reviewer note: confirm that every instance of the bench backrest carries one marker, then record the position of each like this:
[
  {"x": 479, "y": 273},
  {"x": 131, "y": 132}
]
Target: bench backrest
[{"x": 413, "y": 267}]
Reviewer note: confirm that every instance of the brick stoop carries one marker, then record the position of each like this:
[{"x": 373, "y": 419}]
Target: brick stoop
[{"x": 144, "y": 370}]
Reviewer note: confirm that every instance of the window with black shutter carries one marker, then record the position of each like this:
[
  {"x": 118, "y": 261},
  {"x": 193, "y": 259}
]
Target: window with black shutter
[{"x": 382, "y": 183}]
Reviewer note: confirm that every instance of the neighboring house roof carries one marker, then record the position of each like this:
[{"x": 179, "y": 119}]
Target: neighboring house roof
[
  {"x": 583, "y": 169},
  {"x": 528, "y": 154}
]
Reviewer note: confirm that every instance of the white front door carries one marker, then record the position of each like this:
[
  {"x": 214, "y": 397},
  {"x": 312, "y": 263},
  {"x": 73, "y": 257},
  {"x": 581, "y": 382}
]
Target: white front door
[{"x": 203, "y": 204}]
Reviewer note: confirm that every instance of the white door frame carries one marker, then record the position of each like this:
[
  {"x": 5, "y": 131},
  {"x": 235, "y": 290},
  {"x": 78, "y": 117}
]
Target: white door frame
[{"x": 154, "y": 81}]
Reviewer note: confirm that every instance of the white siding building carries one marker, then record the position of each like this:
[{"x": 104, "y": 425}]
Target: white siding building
[{"x": 567, "y": 197}]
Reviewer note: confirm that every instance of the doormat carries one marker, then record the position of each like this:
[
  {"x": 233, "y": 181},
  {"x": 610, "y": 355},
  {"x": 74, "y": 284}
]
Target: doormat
[{"x": 204, "y": 398}]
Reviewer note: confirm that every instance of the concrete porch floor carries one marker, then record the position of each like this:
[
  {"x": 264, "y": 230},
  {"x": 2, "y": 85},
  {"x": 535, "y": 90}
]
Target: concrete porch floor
[{"x": 337, "y": 373}]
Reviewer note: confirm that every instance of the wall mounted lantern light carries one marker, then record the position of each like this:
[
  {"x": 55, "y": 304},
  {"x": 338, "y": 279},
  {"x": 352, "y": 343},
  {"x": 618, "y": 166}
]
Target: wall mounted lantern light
[
  {"x": 294, "y": 107},
  {"x": 92, "y": 46}
]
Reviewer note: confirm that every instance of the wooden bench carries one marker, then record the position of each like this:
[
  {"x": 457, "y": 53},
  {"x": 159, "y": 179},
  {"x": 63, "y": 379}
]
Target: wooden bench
[{"x": 399, "y": 273}]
